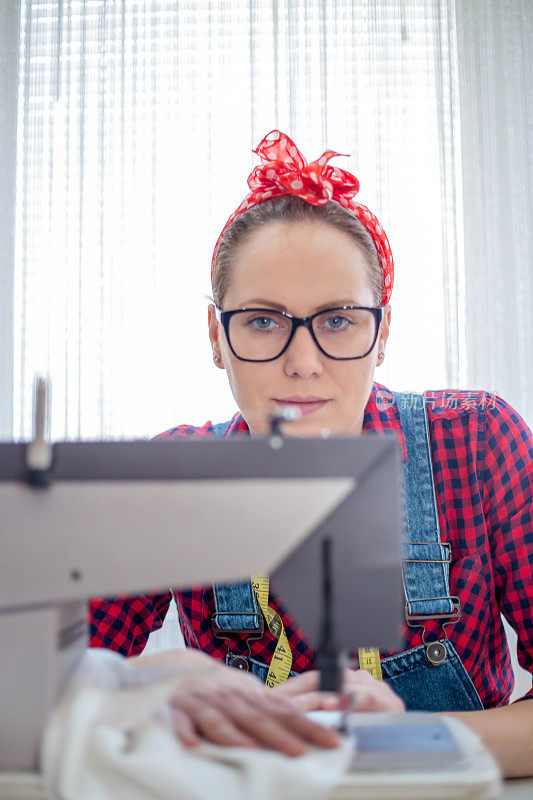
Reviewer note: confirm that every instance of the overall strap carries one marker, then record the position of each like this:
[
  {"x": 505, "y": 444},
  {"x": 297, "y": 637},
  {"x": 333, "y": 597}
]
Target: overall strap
[
  {"x": 426, "y": 561},
  {"x": 236, "y": 608}
]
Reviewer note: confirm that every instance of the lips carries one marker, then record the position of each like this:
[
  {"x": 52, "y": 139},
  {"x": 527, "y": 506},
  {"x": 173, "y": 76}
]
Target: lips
[{"x": 306, "y": 405}]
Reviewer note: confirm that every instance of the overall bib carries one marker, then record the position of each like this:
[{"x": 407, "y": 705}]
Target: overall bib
[{"x": 429, "y": 677}]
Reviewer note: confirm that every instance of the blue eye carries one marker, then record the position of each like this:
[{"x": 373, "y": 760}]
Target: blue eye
[
  {"x": 337, "y": 322},
  {"x": 263, "y": 323}
]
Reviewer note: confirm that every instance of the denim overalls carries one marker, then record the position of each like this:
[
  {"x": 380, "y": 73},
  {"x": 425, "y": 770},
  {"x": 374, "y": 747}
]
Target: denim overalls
[{"x": 427, "y": 678}]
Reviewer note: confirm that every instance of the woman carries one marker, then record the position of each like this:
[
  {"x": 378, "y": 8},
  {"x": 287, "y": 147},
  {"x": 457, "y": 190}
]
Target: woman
[{"x": 299, "y": 253}]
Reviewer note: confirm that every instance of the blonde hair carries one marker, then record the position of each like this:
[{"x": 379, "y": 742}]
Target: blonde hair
[{"x": 292, "y": 209}]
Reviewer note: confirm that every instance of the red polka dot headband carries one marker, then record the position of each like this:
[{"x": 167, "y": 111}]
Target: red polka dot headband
[{"x": 284, "y": 170}]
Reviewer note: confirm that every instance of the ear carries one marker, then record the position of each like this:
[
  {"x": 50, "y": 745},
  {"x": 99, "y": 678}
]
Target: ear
[
  {"x": 384, "y": 328},
  {"x": 212, "y": 324},
  {"x": 214, "y": 329}
]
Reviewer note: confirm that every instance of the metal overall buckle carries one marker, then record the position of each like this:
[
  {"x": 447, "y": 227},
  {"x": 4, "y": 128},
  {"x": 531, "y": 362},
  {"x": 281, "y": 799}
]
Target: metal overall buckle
[
  {"x": 435, "y": 651},
  {"x": 232, "y": 659}
]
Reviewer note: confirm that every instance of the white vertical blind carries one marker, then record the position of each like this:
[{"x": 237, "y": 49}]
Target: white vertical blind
[
  {"x": 495, "y": 59},
  {"x": 136, "y": 126},
  {"x": 9, "y": 51}
]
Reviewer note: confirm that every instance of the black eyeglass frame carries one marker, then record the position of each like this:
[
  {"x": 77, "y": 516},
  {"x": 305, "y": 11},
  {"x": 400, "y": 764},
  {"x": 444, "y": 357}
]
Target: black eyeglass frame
[{"x": 307, "y": 322}]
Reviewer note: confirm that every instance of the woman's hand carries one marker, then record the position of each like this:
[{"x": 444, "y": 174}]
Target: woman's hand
[
  {"x": 218, "y": 704},
  {"x": 229, "y": 707},
  {"x": 368, "y": 693}
]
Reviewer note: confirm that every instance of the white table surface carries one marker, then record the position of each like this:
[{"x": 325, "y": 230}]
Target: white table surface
[{"x": 515, "y": 789}]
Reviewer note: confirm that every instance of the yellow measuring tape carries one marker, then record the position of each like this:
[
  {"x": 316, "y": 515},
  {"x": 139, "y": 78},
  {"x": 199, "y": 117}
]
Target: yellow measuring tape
[
  {"x": 281, "y": 663},
  {"x": 369, "y": 660}
]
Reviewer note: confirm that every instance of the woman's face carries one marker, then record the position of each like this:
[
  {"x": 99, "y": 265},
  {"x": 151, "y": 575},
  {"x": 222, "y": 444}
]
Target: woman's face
[{"x": 299, "y": 268}]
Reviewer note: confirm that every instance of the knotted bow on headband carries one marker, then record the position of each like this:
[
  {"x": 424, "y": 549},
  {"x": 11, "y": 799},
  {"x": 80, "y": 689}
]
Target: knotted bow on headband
[{"x": 284, "y": 170}]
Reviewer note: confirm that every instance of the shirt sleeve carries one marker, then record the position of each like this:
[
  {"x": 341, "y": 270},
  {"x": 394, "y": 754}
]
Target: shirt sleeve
[
  {"x": 124, "y": 623},
  {"x": 508, "y": 509}
]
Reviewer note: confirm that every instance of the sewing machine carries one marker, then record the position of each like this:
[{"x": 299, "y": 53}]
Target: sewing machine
[{"x": 94, "y": 519}]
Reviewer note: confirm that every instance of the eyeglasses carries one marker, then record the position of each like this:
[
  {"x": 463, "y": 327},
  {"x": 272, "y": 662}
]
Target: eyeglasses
[{"x": 262, "y": 334}]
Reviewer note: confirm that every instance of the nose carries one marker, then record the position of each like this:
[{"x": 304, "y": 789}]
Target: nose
[{"x": 302, "y": 357}]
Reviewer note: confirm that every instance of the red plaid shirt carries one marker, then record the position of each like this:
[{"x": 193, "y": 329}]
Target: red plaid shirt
[{"x": 482, "y": 454}]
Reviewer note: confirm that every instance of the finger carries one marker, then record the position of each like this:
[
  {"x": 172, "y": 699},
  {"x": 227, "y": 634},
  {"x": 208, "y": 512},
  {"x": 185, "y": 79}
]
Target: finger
[
  {"x": 210, "y": 721},
  {"x": 370, "y": 698},
  {"x": 316, "y": 701},
  {"x": 305, "y": 729},
  {"x": 306, "y": 682},
  {"x": 217, "y": 727},
  {"x": 259, "y": 718},
  {"x": 312, "y": 732},
  {"x": 358, "y": 677},
  {"x": 183, "y": 728}
]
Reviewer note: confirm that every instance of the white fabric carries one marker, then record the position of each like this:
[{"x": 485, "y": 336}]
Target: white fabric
[{"x": 110, "y": 737}]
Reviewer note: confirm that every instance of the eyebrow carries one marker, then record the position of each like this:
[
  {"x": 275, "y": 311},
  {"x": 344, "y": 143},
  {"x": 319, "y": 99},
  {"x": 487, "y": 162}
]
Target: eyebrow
[{"x": 331, "y": 304}]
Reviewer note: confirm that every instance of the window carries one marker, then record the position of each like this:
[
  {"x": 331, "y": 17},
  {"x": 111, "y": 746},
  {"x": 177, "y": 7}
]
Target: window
[{"x": 136, "y": 125}]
